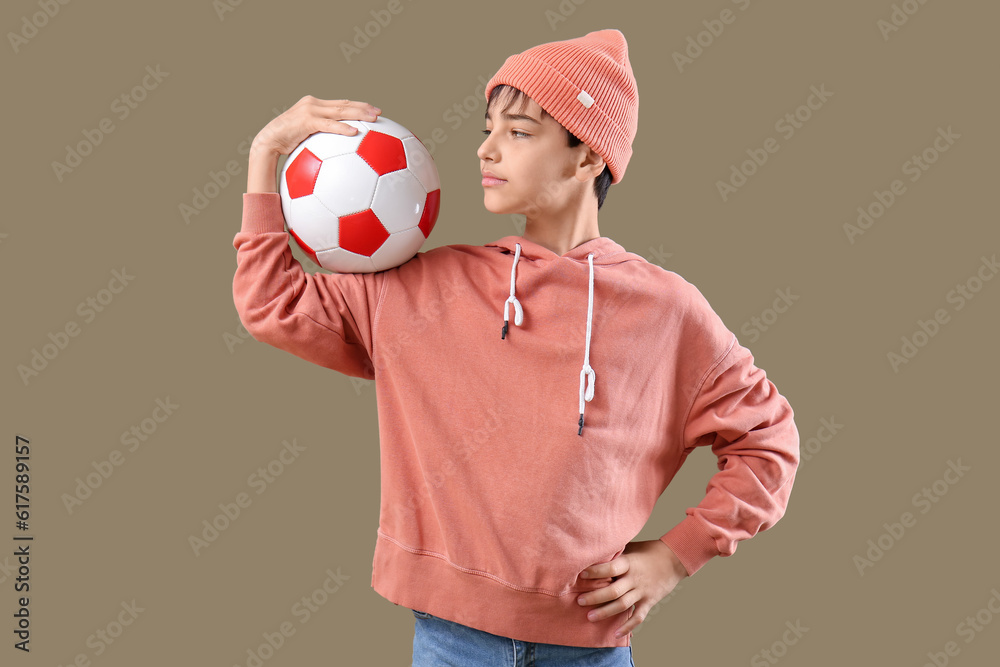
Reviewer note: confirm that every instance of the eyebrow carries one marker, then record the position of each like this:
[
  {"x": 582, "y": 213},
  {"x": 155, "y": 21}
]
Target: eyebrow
[{"x": 515, "y": 116}]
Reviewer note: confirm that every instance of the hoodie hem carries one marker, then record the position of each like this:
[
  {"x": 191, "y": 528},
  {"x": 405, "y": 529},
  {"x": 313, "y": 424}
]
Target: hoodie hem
[{"x": 430, "y": 583}]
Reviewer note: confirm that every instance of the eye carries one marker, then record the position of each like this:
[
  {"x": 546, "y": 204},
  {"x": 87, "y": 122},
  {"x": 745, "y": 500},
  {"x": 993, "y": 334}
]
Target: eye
[{"x": 523, "y": 134}]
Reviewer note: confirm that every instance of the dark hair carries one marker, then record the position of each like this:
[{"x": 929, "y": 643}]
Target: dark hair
[{"x": 603, "y": 180}]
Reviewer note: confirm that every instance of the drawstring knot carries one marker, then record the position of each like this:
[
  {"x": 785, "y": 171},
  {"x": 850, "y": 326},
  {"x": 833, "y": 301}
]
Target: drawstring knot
[
  {"x": 586, "y": 373},
  {"x": 518, "y": 311}
]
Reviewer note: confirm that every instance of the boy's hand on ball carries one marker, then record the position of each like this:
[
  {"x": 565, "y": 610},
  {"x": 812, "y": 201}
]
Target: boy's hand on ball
[{"x": 308, "y": 116}]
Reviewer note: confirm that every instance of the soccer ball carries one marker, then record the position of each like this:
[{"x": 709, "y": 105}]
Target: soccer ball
[{"x": 362, "y": 203}]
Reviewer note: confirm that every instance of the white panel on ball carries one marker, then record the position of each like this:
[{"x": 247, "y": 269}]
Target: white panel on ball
[
  {"x": 399, "y": 200},
  {"x": 346, "y": 184},
  {"x": 346, "y": 261},
  {"x": 398, "y": 248},
  {"x": 313, "y": 222},
  {"x": 419, "y": 161},
  {"x": 327, "y": 144}
]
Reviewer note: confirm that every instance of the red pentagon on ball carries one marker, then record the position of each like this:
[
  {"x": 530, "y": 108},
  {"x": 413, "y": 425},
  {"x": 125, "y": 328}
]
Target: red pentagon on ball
[
  {"x": 362, "y": 233},
  {"x": 429, "y": 216},
  {"x": 305, "y": 246},
  {"x": 302, "y": 173},
  {"x": 384, "y": 153}
]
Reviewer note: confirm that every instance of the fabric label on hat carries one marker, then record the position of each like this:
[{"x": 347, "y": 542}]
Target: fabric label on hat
[{"x": 585, "y": 99}]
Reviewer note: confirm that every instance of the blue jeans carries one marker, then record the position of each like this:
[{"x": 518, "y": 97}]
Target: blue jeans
[{"x": 439, "y": 643}]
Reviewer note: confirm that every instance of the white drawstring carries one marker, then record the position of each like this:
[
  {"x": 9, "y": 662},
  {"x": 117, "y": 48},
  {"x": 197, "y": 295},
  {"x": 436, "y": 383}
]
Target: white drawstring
[
  {"x": 587, "y": 372},
  {"x": 587, "y": 375},
  {"x": 518, "y": 312}
]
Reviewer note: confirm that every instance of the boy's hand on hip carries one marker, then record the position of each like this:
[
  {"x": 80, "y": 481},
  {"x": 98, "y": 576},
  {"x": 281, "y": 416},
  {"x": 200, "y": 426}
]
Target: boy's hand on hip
[{"x": 644, "y": 574}]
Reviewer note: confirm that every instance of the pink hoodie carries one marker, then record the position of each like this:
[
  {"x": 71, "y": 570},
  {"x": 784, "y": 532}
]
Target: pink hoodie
[{"x": 516, "y": 454}]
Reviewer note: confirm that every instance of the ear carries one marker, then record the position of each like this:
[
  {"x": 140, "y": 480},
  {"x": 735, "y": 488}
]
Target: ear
[{"x": 591, "y": 164}]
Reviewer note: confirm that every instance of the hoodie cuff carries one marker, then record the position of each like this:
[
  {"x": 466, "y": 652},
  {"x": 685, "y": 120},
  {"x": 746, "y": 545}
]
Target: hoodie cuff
[
  {"x": 262, "y": 213},
  {"x": 692, "y": 545}
]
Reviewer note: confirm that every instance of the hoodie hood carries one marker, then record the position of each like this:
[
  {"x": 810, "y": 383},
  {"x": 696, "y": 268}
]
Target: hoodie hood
[{"x": 598, "y": 251}]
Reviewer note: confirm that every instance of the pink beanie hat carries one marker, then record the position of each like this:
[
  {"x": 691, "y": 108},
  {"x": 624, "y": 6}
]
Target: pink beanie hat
[{"x": 587, "y": 85}]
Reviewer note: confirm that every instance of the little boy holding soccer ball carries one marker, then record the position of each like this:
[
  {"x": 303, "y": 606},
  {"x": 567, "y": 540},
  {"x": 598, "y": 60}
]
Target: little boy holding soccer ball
[{"x": 522, "y": 454}]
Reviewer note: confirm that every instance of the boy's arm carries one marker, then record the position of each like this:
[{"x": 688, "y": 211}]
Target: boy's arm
[
  {"x": 327, "y": 319},
  {"x": 750, "y": 427}
]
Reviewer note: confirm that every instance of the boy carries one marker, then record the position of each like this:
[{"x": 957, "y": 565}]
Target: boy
[{"x": 512, "y": 480}]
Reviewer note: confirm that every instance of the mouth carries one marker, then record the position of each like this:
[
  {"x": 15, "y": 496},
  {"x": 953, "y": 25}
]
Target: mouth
[{"x": 491, "y": 180}]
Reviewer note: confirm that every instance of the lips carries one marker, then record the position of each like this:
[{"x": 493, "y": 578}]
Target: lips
[{"x": 489, "y": 178}]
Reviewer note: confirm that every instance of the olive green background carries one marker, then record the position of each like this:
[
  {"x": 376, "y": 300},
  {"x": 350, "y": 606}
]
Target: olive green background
[{"x": 173, "y": 331}]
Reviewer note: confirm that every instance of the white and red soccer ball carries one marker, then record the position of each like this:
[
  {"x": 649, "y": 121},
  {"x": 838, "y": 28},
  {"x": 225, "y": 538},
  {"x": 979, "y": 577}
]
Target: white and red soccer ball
[{"x": 362, "y": 203}]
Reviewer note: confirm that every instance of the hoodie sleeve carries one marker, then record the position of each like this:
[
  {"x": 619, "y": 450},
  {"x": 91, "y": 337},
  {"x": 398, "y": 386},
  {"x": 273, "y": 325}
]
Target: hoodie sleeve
[
  {"x": 327, "y": 319},
  {"x": 739, "y": 413}
]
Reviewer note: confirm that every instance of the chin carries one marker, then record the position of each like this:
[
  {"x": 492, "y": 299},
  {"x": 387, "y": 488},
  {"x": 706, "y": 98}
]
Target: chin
[{"x": 495, "y": 207}]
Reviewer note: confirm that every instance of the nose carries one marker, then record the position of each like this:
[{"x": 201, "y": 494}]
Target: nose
[{"x": 486, "y": 149}]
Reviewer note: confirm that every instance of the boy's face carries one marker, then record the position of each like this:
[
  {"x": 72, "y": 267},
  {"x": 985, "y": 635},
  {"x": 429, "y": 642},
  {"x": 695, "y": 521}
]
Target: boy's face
[{"x": 542, "y": 176}]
